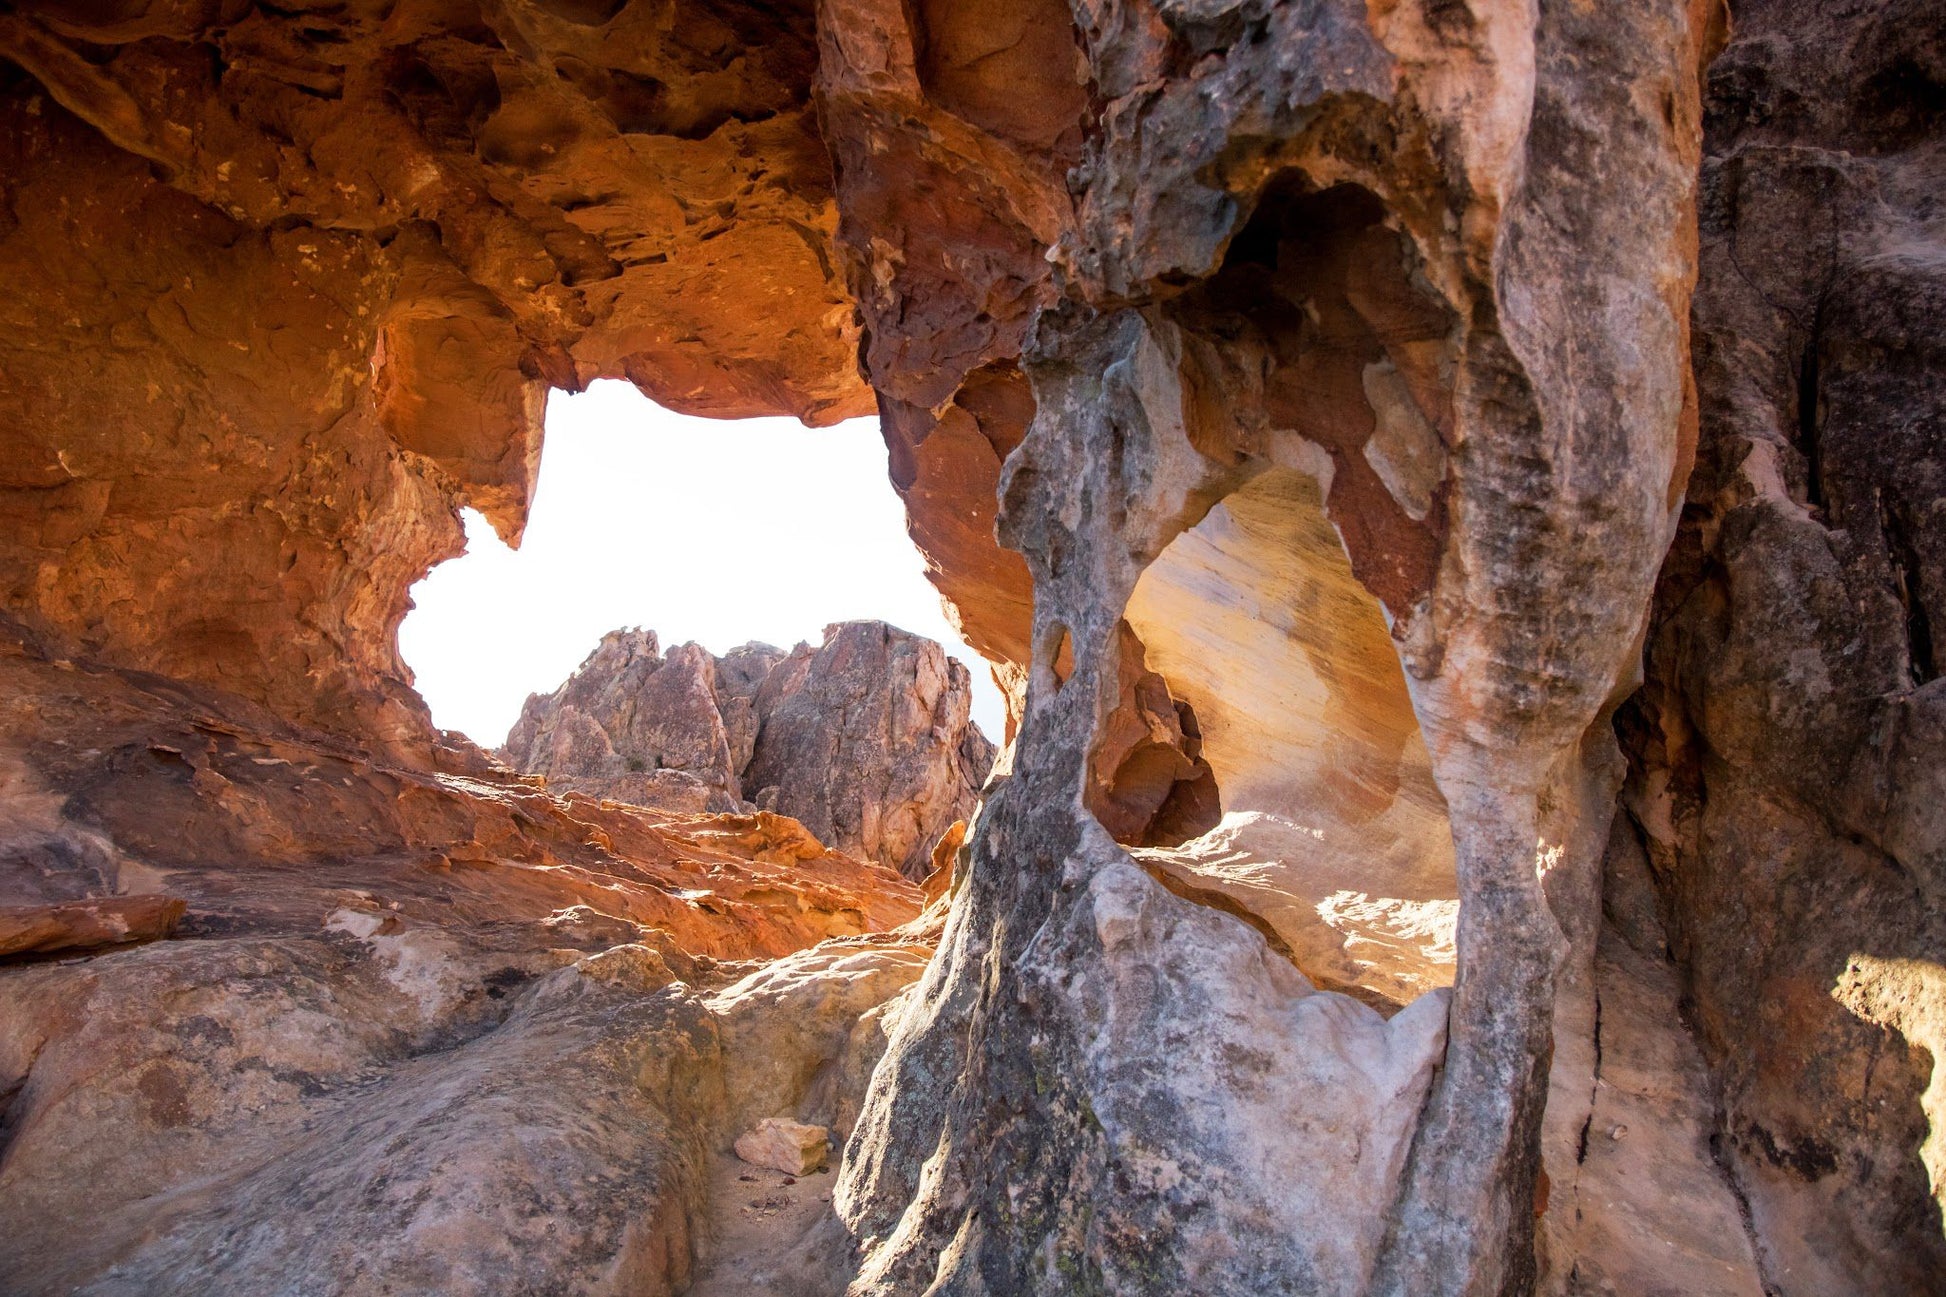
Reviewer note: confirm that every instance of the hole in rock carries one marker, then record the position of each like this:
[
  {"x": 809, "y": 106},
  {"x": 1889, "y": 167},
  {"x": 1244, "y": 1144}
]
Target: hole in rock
[
  {"x": 1333, "y": 835},
  {"x": 715, "y": 617},
  {"x": 1060, "y": 658},
  {"x": 720, "y": 532}
]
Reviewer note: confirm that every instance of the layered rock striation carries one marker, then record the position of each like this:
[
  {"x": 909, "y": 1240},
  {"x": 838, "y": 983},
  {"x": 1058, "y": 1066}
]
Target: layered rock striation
[{"x": 867, "y": 740}]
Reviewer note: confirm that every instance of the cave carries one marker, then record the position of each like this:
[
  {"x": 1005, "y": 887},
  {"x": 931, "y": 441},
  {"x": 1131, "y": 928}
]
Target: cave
[{"x": 1450, "y": 494}]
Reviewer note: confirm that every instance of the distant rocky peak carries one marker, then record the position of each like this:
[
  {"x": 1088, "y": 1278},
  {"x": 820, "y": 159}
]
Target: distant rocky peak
[{"x": 866, "y": 738}]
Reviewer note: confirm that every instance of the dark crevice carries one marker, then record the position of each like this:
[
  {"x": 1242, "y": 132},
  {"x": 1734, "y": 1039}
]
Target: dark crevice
[
  {"x": 1723, "y": 1159},
  {"x": 1594, "y": 1091},
  {"x": 1809, "y": 422},
  {"x": 8, "y": 1095},
  {"x": 1598, "y": 1032},
  {"x": 1903, "y": 557}
]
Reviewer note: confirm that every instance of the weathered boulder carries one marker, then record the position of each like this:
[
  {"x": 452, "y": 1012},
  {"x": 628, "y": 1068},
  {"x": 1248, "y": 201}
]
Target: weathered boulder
[
  {"x": 784, "y": 1145},
  {"x": 866, "y": 740}
]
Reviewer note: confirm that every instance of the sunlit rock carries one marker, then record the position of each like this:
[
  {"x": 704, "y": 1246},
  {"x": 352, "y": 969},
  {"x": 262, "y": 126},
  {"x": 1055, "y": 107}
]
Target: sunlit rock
[
  {"x": 784, "y": 1145},
  {"x": 1363, "y": 436},
  {"x": 866, "y": 740}
]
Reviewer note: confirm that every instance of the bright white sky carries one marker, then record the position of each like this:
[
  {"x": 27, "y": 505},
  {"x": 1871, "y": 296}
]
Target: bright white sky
[{"x": 698, "y": 529}]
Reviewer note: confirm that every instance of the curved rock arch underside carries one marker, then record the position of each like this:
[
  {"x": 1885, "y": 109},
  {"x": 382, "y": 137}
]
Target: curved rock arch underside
[{"x": 1470, "y": 472}]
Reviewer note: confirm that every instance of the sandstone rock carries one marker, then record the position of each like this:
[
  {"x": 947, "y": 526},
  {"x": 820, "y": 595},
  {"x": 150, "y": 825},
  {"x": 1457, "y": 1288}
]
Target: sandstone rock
[
  {"x": 350, "y": 257},
  {"x": 383, "y": 971},
  {"x": 1148, "y": 782},
  {"x": 1647, "y": 1208},
  {"x": 375, "y": 1167},
  {"x": 869, "y": 743},
  {"x": 1297, "y": 394},
  {"x": 938, "y": 881},
  {"x": 952, "y": 128},
  {"x": 634, "y": 725},
  {"x": 797, "y": 1029},
  {"x": 1208, "y": 1069},
  {"x": 867, "y": 740},
  {"x": 1788, "y": 752},
  {"x": 1380, "y": 929},
  {"x": 784, "y": 1145},
  {"x": 1257, "y": 601},
  {"x": 1287, "y": 226},
  {"x": 108, "y": 921}
]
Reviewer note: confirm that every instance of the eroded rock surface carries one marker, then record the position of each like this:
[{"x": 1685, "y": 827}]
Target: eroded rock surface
[
  {"x": 1394, "y": 251},
  {"x": 325, "y": 266},
  {"x": 1297, "y": 400},
  {"x": 867, "y": 740},
  {"x": 1350, "y": 924},
  {"x": 1788, "y": 755},
  {"x": 383, "y": 971}
]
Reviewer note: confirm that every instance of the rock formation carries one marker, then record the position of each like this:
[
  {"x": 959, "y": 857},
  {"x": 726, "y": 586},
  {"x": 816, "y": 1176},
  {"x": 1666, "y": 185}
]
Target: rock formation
[
  {"x": 311, "y": 1077},
  {"x": 1361, "y": 247},
  {"x": 1788, "y": 753},
  {"x": 1376, "y": 444},
  {"x": 350, "y": 253},
  {"x": 866, "y": 740}
]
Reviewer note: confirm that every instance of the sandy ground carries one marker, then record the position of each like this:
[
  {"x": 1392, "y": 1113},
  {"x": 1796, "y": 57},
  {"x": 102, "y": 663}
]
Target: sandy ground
[{"x": 775, "y": 1236}]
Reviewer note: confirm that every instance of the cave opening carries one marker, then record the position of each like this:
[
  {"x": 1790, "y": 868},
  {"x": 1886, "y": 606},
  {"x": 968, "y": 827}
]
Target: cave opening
[
  {"x": 720, "y": 532},
  {"x": 1271, "y": 617},
  {"x": 1331, "y": 832}
]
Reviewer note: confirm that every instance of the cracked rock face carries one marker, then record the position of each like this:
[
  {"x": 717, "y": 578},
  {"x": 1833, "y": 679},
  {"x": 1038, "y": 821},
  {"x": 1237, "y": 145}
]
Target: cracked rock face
[{"x": 866, "y": 740}]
